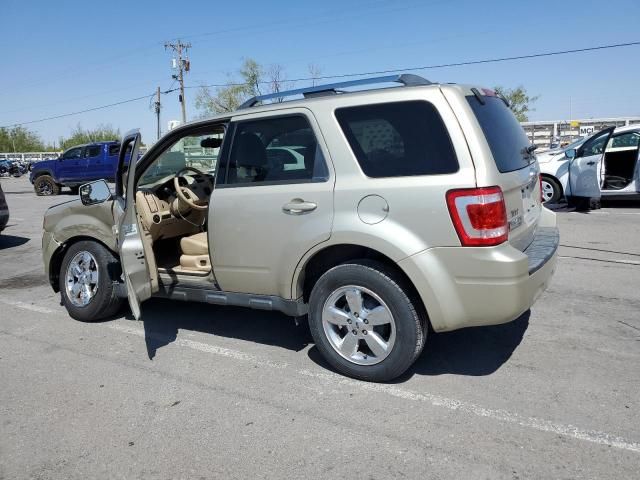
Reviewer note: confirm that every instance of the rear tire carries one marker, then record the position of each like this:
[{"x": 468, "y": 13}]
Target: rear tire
[
  {"x": 103, "y": 302},
  {"x": 551, "y": 190},
  {"x": 44, "y": 185},
  {"x": 380, "y": 290}
]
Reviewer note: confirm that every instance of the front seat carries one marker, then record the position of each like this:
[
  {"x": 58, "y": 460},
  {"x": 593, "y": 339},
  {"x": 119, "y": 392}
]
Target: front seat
[
  {"x": 249, "y": 162},
  {"x": 195, "y": 252}
]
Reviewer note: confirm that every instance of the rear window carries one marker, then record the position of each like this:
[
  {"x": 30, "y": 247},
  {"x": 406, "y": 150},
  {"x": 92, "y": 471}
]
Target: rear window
[
  {"x": 398, "y": 139},
  {"x": 503, "y": 132}
]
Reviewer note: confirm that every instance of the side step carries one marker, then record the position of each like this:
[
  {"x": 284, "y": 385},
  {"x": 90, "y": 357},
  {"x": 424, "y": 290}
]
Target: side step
[{"x": 293, "y": 308}]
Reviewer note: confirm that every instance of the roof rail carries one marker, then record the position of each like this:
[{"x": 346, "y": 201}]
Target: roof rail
[{"x": 405, "y": 79}]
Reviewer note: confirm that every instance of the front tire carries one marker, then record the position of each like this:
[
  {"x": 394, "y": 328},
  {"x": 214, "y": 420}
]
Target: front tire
[
  {"x": 44, "y": 186},
  {"x": 364, "y": 323},
  {"x": 87, "y": 281}
]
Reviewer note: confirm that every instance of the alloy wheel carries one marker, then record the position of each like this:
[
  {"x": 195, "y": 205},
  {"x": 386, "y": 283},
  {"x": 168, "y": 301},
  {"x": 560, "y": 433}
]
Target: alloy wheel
[
  {"x": 359, "y": 325},
  {"x": 82, "y": 279}
]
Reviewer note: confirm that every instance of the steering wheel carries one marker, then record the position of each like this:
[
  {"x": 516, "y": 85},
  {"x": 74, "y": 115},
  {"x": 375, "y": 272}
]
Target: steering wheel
[{"x": 187, "y": 195}]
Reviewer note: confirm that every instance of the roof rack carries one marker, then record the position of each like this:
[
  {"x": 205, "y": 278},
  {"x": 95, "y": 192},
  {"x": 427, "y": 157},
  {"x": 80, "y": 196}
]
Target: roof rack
[{"x": 406, "y": 79}]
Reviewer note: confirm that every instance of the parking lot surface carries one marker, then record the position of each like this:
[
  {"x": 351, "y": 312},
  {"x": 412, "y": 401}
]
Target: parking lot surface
[{"x": 201, "y": 391}]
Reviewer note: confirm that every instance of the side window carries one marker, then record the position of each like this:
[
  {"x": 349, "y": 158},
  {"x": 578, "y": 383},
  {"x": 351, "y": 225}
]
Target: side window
[
  {"x": 73, "y": 153},
  {"x": 595, "y": 145},
  {"x": 276, "y": 150},
  {"x": 114, "y": 150},
  {"x": 398, "y": 139},
  {"x": 92, "y": 151},
  {"x": 629, "y": 139}
]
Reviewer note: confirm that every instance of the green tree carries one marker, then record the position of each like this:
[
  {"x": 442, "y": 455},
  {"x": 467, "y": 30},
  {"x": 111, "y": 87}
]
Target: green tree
[
  {"x": 244, "y": 85},
  {"x": 80, "y": 135},
  {"x": 20, "y": 139},
  {"x": 519, "y": 101}
]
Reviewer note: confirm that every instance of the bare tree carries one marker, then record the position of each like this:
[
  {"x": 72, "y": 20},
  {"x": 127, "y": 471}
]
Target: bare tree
[
  {"x": 315, "y": 72},
  {"x": 254, "y": 78}
]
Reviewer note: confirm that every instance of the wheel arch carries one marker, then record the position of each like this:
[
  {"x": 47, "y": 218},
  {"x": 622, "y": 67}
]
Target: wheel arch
[
  {"x": 55, "y": 262},
  {"x": 41, "y": 173},
  {"x": 332, "y": 255}
]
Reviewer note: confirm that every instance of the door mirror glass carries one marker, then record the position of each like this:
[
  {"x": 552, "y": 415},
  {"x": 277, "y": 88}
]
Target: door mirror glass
[
  {"x": 571, "y": 153},
  {"x": 95, "y": 192}
]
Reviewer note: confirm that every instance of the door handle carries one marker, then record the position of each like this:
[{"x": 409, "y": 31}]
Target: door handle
[
  {"x": 297, "y": 206},
  {"x": 591, "y": 162}
]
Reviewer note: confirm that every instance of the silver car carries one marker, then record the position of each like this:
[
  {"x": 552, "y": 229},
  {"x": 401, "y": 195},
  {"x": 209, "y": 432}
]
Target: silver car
[
  {"x": 374, "y": 213},
  {"x": 605, "y": 165}
]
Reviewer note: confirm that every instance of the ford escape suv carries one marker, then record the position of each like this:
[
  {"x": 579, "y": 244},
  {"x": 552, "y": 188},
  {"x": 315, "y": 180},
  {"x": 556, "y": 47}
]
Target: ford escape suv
[{"x": 375, "y": 212}]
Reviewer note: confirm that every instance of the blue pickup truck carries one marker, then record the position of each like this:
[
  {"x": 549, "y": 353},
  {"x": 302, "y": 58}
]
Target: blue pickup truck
[{"x": 76, "y": 166}]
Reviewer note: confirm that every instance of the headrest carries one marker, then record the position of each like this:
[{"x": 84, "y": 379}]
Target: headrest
[
  {"x": 249, "y": 151},
  {"x": 211, "y": 142}
]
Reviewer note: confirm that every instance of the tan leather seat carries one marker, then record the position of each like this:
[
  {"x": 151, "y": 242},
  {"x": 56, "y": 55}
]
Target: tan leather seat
[
  {"x": 195, "y": 253},
  {"x": 195, "y": 244}
]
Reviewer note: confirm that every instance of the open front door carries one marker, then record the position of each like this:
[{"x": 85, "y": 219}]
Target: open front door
[
  {"x": 586, "y": 166},
  {"x": 132, "y": 254}
]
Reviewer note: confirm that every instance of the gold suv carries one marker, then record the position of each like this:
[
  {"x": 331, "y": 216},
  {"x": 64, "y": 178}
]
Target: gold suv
[{"x": 374, "y": 212}]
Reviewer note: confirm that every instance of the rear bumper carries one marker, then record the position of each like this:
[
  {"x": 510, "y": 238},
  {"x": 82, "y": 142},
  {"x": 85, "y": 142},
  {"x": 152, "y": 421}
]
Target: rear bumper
[{"x": 475, "y": 286}]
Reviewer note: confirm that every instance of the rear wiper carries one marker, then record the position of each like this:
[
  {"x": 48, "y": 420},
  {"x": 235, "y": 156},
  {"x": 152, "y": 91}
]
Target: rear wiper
[{"x": 529, "y": 150}]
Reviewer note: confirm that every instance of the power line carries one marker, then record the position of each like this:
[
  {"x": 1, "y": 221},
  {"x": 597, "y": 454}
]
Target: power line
[
  {"x": 78, "y": 112},
  {"x": 355, "y": 74},
  {"x": 441, "y": 65}
]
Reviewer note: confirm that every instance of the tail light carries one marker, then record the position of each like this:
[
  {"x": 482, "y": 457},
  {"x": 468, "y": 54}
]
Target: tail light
[{"x": 479, "y": 215}]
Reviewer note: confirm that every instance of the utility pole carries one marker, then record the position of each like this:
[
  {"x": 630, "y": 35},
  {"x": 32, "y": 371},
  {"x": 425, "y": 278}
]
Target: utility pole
[
  {"x": 182, "y": 64},
  {"x": 157, "y": 105}
]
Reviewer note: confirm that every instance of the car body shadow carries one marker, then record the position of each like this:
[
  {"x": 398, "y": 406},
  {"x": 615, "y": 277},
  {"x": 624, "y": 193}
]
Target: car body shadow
[
  {"x": 10, "y": 241},
  {"x": 163, "y": 318},
  {"x": 476, "y": 351}
]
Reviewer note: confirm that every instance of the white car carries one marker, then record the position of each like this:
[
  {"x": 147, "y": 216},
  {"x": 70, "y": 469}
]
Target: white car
[{"x": 586, "y": 169}]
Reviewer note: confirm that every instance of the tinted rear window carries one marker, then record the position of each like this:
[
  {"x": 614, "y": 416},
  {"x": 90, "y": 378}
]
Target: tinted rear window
[
  {"x": 398, "y": 139},
  {"x": 504, "y": 134}
]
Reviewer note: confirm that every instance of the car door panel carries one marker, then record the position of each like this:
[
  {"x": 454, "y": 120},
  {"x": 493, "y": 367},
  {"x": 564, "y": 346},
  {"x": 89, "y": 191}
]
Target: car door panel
[
  {"x": 72, "y": 166},
  {"x": 135, "y": 267},
  {"x": 258, "y": 233},
  {"x": 585, "y": 170}
]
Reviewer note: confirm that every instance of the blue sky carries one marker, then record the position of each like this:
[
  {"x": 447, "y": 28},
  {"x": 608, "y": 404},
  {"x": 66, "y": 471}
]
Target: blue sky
[{"x": 60, "y": 57}]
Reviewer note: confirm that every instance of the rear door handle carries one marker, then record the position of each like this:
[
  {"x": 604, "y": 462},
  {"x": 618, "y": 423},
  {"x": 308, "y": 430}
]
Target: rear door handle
[{"x": 297, "y": 206}]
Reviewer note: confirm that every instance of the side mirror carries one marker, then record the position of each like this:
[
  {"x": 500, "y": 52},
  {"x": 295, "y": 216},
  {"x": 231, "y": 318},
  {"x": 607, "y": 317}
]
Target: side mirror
[
  {"x": 571, "y": 153},
  {"x": 95, "y": 192}
]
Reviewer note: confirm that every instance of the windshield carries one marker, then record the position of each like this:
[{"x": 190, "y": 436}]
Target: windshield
[{"x": 505, "y": 136}]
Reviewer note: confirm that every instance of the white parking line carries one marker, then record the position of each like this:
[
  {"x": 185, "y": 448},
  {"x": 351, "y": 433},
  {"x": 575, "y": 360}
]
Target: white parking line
[
  {"x": 500, "y": 415},
  {"x": 26, "y": 306},
  {"x": 202, "y": 347},
  {"x": 504, "y": 416}
]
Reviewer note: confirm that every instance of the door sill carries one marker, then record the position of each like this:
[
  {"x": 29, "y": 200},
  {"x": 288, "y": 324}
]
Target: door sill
[{"x": 209, "y": 294}]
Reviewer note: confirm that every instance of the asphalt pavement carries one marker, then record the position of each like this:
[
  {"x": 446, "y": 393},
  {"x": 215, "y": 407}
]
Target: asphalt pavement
[{"x": 201, "y": 391}]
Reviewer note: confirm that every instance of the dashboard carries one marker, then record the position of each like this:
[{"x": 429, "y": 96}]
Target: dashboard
[{"x": 164, "y": 215}]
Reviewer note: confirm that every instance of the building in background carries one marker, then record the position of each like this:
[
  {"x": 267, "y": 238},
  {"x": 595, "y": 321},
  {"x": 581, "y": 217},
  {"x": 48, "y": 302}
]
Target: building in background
[{"x": 557, "y": 132}]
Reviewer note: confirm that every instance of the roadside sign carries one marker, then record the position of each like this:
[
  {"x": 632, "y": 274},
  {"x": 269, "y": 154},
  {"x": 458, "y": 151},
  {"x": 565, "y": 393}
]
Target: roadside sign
[{"x": 587, "y": 130}]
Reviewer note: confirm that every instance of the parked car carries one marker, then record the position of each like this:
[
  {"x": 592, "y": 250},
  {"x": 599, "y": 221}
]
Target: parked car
[
  {"x": 77, "y": 165},
  {"x": 410, "y": 206},
  {"x": 10, "y": 168},
  {"x": 610, "y": 172},
  {"x": 4, "y": 210}
]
